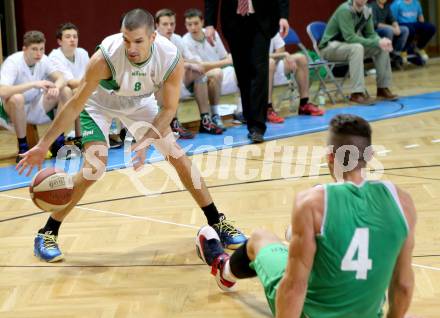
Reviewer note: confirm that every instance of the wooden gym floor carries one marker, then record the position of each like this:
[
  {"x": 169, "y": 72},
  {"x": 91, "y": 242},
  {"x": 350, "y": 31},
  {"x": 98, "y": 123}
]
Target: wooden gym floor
[{"x": 132, "y": 255}]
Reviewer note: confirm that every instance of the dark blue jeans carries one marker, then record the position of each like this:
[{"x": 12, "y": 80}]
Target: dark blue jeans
[
  {"x": 423, "y": 32},
  {"x": 399, "y": 42}
]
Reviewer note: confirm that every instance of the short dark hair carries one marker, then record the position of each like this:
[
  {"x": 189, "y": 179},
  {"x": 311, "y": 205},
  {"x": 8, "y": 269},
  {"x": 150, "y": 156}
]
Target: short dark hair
[
  {"x": 350, "y": 130},
  {"x": 63, "y": 27},
  {"x": 193, "y": 13},
  {"x": 33, "y": 37},
  {"x": 138, "y": 18},
  {"x": 164, "y": 13}
]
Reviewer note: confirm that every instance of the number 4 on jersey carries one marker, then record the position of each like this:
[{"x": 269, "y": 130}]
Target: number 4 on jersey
[{"x": 359, "y": 244}]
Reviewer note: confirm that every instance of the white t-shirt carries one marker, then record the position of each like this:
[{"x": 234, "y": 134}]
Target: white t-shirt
[
  {"x": 276, "y": 43},
  {"x": 15, "y": 71},
  {"x": 71, "y": 70},
  {"x": 133, "y": 80},
  {"x": 205, "y": 51},
  {"x": 186, "y": 53}
]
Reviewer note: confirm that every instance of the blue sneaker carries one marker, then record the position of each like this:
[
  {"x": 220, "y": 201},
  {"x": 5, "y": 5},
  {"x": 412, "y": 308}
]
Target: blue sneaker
[
  {"x": 231, "y": 237},
  {"x": 210, "y": 250},
  {"x": 46, "y": 247}
]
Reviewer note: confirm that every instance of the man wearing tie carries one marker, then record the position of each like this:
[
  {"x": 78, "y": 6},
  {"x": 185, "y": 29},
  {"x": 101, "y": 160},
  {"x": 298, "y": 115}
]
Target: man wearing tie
[{"x": 248, "y": 26}]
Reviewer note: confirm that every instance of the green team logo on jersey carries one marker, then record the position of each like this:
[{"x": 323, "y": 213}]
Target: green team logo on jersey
[{"x": 137, "y": 86}]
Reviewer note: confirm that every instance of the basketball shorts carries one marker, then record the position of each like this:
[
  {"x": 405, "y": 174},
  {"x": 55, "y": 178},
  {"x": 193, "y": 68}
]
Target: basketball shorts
[
  {"x": 280, "y": 77},
  {"x": 270, "y": 265},
  {"x": 229, "y": 83},
  {"x": 35, "y": 113},
  {"x": 136, "y": 113}
]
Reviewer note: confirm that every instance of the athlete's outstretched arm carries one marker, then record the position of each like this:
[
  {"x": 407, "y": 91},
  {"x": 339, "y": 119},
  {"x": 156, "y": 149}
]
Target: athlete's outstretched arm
[
  {"x": 402, "y": 282},
  {"x": 97, "y": 69},
  {"x": 293, "y": 286}
]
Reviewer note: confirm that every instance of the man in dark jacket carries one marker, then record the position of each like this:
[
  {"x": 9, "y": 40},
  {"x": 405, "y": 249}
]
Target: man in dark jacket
[{"x": 248, "y": 26}]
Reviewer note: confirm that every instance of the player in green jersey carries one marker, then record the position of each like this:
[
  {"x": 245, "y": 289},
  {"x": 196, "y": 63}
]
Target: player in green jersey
[{"x": 351, "y": 241}]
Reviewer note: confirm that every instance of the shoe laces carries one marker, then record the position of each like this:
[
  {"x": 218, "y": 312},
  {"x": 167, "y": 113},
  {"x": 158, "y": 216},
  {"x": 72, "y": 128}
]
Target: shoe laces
[
  {"x": 226, "y": 227},
  {"x": 49, "y": 241}
]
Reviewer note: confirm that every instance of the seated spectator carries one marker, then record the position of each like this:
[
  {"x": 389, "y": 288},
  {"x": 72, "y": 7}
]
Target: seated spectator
[
  {"x": 215, "y": 58},
  {"x": 350, "y": 37},
  {"x": 30, "y": 88},
  {"x": 409, "y": 13},
  {"x": 387, "y": 26},
  {"x": 194, "y": 77},
  {"x": 282, "y": 65},
  {"x": 70, "y": 60}
]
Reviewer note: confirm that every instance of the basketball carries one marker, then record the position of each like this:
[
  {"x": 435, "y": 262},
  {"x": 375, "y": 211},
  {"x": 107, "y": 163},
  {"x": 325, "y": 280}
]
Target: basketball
[{"x": 51, "y": 189}]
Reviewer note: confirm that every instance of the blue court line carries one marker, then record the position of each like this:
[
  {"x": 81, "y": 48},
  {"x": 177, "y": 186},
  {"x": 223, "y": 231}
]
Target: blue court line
[{"x": 237, "y": 136}]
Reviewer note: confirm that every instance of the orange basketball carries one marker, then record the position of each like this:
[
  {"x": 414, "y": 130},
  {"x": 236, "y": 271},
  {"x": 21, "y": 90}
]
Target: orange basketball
[{"x": 51, "y": 189}]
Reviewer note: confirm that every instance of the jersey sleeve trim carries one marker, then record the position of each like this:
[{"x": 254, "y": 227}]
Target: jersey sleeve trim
[
  {"x": 392, "y": 189},
  {"x": 172, "y": 67},
  {"x": 324, "y": 215},
  {"x": 107, "y": 59}
]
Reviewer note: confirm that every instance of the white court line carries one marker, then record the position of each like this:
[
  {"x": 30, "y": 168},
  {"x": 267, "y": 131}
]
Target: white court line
[
  {"x": 14, "y": 197},
  {"x": 383, "y": 152},
  {"x": 412, "y": 146},
  {"x": 426, "y": 267},
  {"x": 435, "y": 141},
  {"x": 146, "y": 218},
  {"x": 137, "y": 217}
]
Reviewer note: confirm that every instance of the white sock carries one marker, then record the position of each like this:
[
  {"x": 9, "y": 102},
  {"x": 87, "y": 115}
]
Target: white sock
[
  {"x": 227, "y": 274},
  {"x": 214, "y": 109}
]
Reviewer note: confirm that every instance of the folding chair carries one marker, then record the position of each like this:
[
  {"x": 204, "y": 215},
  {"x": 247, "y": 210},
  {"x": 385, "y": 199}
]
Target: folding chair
[{"x": 315, "y": 30}]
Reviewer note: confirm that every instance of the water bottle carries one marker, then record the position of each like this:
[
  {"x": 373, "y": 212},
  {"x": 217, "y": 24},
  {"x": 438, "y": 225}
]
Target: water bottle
[{"x": 321, "y": 98}]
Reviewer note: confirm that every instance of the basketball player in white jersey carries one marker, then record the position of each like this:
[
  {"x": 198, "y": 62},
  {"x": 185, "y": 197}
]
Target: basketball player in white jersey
[
  {"x": 120, "y": 82},
  {"x": 70, "y": 60},
  {"x": 30, "y": 88}
]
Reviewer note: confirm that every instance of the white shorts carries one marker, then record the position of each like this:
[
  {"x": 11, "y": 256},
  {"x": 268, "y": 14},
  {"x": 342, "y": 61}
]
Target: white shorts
[
  {"x": 102, "y": 107},
  {"x": 229, "y": 84},
  {"x": 35, "y": 114},
  {"x": 279, "y": 77}
]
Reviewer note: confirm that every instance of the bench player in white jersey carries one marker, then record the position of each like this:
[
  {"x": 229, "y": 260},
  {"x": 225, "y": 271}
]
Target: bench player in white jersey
[
  {"x": 120, "y": 82},
  {"x": 194, "y": 78},
  {"x": 215, "y": 58},
  {"x": 30, "y": 88},
  {"x": 70, "y": 60},
  {"x": 281, "y": 65}
]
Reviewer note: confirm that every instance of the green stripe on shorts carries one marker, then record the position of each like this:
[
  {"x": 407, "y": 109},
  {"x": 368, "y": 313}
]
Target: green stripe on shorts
[
  {"x": 89, "y": 129},
  {"x": 270, "y": 264}
]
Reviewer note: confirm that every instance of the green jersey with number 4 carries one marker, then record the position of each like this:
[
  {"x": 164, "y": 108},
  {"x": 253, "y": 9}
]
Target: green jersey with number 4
[{"x": 362, "y": 233}]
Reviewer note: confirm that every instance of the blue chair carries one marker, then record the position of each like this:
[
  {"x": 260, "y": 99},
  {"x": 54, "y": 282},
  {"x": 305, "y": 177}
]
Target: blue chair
[{"x": 315, "y": 30}]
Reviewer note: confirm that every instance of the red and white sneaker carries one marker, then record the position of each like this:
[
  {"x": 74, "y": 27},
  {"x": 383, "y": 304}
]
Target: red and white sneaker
[
  {"x": 179, "y": 130},
  {"x": 210, "y": 250},
  {"x": 273, "y": 117},
  {"x": 311, "y": 110}
]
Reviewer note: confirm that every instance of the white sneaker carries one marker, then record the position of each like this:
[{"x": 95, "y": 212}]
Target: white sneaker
[{"x": 422, "y": 54}]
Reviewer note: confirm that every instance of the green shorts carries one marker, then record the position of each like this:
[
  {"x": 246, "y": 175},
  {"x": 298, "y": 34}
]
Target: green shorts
[
  {"x": 270, "y": 264},
  {"x": 90, "y": 130}
]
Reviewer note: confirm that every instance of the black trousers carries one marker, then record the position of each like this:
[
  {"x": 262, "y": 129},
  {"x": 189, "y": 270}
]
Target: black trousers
[{"x": 250, "y": 53}]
